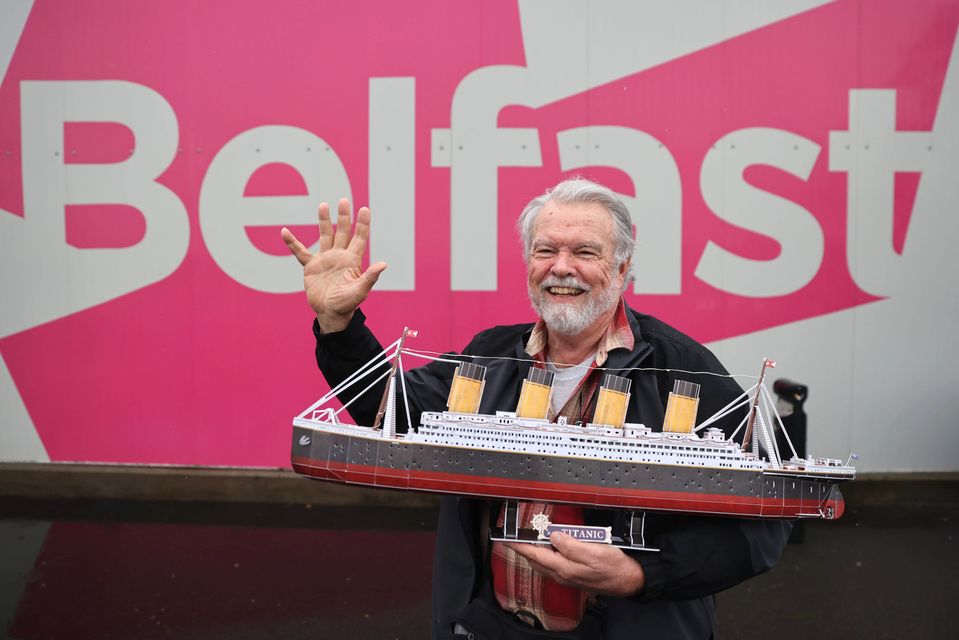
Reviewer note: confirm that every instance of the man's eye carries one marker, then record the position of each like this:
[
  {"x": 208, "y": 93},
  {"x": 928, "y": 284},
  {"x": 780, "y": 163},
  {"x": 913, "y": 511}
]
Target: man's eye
[{"x": 543, "y": 253}]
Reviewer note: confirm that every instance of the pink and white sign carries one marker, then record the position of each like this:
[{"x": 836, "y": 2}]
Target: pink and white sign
[{"x": 790, "y": 168}]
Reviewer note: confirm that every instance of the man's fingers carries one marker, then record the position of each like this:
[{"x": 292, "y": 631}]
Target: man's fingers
[
  {"x": 542, "y": 555},
  {"x": 572, "y": 549},
  {"x": 372, "y": 274},
  {"x": 362, "y": 233},
  {"x": 544, "y": 560},
  {"x": 342, "y": 238},
  {"x": 296, "y": 247},
  {"x": 326, "y": 228}
]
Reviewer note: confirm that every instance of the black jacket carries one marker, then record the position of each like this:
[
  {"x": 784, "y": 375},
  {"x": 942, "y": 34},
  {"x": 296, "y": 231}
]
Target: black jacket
[{"x": 699, "y": 556}]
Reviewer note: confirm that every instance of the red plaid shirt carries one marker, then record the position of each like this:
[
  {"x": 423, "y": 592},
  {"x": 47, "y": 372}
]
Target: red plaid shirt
[{"x": 517, "y": 586}]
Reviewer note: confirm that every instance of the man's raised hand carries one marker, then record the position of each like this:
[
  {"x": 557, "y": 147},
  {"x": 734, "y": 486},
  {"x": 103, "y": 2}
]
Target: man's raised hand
[{"x": 334, "y": 281}]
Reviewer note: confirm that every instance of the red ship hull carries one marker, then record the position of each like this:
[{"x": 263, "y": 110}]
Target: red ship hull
[{"x": 596, "y": 483}]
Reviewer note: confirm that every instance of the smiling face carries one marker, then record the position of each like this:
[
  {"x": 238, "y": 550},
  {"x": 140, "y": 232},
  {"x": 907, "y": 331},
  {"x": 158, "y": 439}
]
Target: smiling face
[{"x": 573, "y": 279}]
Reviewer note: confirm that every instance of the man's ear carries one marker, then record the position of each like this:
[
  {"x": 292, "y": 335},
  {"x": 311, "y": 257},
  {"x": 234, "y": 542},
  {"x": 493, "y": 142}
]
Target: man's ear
[{"x": 624, "y": 273}]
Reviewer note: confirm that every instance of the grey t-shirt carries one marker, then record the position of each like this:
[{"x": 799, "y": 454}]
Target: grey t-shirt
[{"x": 565, "y": 381}]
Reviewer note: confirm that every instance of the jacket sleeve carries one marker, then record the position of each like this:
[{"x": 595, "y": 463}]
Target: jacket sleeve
[
  {"x": 342, "y": 353},
  {"x": 702, "y": 555}
]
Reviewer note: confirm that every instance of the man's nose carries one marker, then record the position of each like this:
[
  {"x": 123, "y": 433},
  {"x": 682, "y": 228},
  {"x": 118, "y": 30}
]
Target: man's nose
[{"x": 563, "y": 265}]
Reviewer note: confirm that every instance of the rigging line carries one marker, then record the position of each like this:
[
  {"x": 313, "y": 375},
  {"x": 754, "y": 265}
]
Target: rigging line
[
  {"x": 733, "y": 436},
  {"x": 355, "y": 377},
  {"x": 435, "y": 355},
  {"x": 771, "y": 408},
  {"x": 370, "y": 386},
  {"x": 360, "y": 373},
  {"x": 406, "y": 401},
  {"x": 742, "y": 402},
  {"x": 771, "y": 427},
  {"x": 737, "y": 402},
  {"x": 433, "y": 358}
]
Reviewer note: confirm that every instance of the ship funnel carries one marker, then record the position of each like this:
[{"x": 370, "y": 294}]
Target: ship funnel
[
  {"x": 535, "y": 397},
  {"x": 467, "y": 388},
  {"x": 612, "y": 402},
  {"x": 681, "y": 408}
]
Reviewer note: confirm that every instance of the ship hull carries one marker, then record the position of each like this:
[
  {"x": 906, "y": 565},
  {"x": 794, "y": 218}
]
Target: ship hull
[{"x": 399, "y": 464}]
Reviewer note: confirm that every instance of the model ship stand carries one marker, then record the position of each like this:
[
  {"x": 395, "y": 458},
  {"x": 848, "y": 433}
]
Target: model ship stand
[
  {"x": 520, "y": 456},
  {"x": 631, "y": 536}
]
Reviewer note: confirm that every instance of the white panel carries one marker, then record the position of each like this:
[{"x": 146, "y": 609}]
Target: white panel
[
  {"x": 575, "y": 45},
  {"x": 13, "y": 17},
  {"x": 19, "y": 441}
]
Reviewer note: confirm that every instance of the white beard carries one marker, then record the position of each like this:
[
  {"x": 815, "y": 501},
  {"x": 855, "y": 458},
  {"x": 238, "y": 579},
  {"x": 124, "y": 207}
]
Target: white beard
[{"x": 569, "y": 319}]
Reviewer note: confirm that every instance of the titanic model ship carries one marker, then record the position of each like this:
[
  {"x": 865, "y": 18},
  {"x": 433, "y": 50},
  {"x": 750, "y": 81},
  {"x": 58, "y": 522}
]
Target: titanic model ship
[{"x": 521, "y": 456}]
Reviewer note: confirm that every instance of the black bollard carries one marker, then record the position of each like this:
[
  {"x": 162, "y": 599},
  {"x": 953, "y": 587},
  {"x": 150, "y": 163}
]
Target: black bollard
[{"x": 792, "y": 396}]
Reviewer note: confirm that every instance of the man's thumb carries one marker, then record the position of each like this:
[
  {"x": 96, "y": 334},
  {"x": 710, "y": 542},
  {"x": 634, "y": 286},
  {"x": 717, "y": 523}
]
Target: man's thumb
[{"x": 372, "y": 273}]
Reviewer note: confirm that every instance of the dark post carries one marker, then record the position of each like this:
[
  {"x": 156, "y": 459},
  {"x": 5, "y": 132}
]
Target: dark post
[{"x": 792, "y": 396}]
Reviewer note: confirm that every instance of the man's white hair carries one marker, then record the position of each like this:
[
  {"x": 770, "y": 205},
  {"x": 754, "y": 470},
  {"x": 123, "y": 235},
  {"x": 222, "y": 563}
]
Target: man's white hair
[{"x": 580, "y": 190}]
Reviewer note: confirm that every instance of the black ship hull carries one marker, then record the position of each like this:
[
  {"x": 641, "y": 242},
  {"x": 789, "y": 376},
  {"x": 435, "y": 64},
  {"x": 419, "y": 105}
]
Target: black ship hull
[{"x": 399, "y": 464}]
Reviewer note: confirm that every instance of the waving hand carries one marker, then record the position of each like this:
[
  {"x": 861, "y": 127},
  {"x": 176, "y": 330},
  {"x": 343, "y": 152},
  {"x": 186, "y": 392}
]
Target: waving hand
[{"x": 334, "y": 281}]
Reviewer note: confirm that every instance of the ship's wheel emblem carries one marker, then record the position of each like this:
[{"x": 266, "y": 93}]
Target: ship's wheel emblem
[{"x": 541, "y": 524}]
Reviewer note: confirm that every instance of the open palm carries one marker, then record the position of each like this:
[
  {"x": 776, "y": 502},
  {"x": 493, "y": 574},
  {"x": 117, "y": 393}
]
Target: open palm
[{"x": 334, "y": 279}]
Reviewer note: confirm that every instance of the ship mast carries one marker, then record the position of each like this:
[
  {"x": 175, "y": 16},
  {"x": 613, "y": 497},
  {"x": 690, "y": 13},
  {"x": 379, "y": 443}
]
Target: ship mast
[
  {"x": 754, "y": 410},
  {"x": 391, "y": 381}
]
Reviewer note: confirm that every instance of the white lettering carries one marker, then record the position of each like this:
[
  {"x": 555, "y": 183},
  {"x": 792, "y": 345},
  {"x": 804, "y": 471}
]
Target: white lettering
[
  {"x": 225, "y": 212},
  {"x": 658, "y": 205},
  {"x": 478, "y": 149},
  {"x": 392, "y": 158},
  {"x": 871, "y": 152},
  {"x": 64, "y": 279},
  {"x": 730, "y": 197}
]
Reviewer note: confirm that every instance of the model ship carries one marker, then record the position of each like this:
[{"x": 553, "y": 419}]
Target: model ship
[{"x": 520, "y": 456}]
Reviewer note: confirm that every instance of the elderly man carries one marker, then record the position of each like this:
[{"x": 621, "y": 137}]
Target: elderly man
[{"x": 578, "y": 245}]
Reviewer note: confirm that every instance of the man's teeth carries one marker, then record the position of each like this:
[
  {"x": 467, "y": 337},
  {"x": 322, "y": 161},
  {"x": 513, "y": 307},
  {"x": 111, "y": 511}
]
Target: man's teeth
[{"x": 564, "y": 291}]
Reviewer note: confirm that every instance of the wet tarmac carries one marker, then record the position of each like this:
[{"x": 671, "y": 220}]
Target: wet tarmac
[{"x": 82, "y": 569}]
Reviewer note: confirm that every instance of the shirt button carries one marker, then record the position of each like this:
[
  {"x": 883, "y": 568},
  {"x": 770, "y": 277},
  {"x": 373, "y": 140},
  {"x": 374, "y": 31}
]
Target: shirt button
[{"x": 521, "y": 602}]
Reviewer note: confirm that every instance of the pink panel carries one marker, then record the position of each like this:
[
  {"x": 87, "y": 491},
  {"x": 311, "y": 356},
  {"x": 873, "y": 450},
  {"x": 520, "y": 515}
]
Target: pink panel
[{"x": 199, "y": 369}]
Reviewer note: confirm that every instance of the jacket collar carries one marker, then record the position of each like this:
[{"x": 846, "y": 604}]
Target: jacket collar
[{"x": 617, "y": 358}]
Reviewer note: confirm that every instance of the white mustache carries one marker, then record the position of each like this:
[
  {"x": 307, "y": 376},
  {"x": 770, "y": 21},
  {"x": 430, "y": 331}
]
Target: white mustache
[{"x": 569, "y": 282}]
